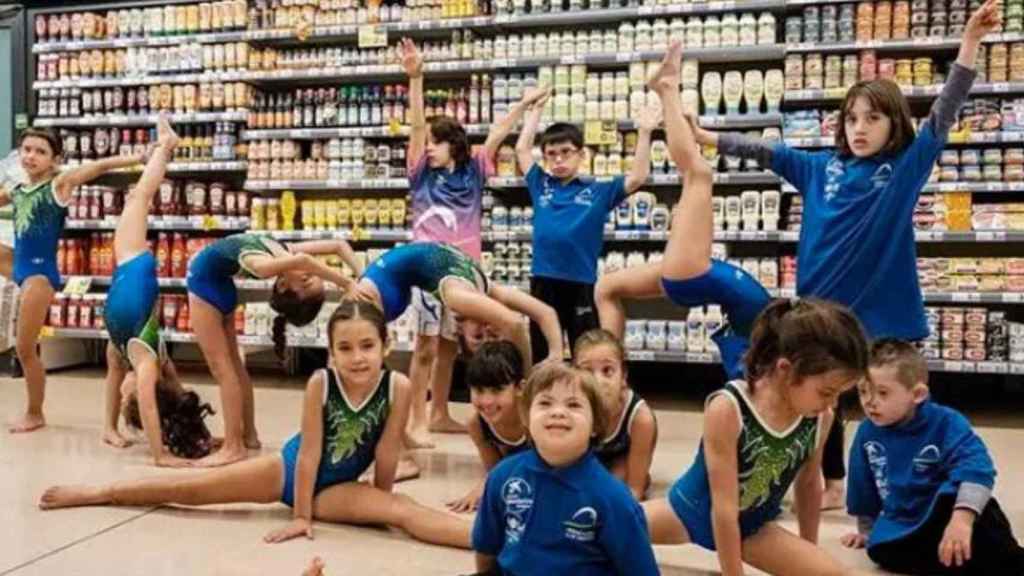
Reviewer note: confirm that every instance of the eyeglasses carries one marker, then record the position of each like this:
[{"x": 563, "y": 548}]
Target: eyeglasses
[{"x": 564, "y": 153}]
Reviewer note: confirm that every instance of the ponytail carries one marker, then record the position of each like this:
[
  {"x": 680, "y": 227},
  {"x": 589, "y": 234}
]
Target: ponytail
[
  {"x": 814, "y": 335},
  {"x": 278, "y": 333}
]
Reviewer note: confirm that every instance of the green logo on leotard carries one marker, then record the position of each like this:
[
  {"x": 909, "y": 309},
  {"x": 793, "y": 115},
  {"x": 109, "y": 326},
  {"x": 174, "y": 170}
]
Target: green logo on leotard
[{"x": 348, "y": 428}]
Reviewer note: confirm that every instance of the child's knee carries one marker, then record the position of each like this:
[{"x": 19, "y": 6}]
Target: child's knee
[{"x": 26, "y": 350}]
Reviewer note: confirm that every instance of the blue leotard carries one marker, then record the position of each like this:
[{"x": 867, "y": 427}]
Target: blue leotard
[
  {"x": 211, "y": 273},
  {"x": 617, "y": 443},
  {"x": 502, "y": 445},
  {"x": 423, "y": 265},
  {"x": 130, "y": 313},
  {"x": 742, "y": 298},
  {"x": 38, "y": 225},
  {"x": 351, "y": 434}
]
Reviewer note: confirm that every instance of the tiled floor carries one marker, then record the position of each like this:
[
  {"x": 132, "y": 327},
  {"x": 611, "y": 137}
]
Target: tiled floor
[{"x": 227, "y": 540}]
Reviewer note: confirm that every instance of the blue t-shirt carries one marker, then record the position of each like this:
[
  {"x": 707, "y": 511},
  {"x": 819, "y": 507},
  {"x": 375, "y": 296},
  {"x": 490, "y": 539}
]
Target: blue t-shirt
[
  {"x": 857, "y": 239},
  {"x": 898, "y": 472},
  {"x": 578, "y": 520},
  {"x": 568, "y": 223}
]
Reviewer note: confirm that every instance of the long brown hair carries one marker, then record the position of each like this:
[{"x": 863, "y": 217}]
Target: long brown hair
[
  {"x": 814, "y": 335},
  {"x": 885, "y": 97}
]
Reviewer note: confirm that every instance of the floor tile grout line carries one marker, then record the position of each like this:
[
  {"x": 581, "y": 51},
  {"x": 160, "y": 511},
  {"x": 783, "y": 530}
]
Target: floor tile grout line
[{"x": 78, "y": 541}]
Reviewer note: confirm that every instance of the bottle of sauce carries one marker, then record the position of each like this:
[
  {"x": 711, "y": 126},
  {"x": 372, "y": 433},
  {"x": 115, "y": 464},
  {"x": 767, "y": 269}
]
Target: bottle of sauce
[
  {"x": 179, "y": 262},
  {"x": 163, "y": 256}
]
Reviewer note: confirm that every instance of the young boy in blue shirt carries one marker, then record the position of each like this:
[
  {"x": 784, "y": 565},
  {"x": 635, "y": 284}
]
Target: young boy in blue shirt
[
  {"x": 921, "y": 480},
  {"x": 555, "y": 509},
  {"x": 570, "y": 211}
]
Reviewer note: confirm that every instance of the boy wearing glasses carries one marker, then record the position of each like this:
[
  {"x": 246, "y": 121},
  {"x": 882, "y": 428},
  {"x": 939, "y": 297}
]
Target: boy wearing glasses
[{"x": 570, "y": 211}]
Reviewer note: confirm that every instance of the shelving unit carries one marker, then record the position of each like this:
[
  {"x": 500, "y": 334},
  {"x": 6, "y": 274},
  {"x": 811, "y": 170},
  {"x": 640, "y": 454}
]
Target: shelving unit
[{"x": 511, "y": 189}]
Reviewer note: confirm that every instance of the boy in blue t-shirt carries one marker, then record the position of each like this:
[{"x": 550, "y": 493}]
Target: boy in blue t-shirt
[
  {"x": 555, "y": 509},
  {"x": 921, "y": 480},
  {"x": 570, "y": 211}
]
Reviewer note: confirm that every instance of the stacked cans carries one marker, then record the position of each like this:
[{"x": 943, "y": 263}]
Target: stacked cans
[
  {"x": 510, "y": 263},
  {"x": 1004, "y": 62},
  {"x": 826, "y": 24},
  {"x": 1013, "y": 15}
]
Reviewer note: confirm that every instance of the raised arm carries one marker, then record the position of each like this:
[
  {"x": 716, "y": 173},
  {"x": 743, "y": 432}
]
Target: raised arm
[
  {"x": 500, "y": 130},
  {"x": 340, "y": 247},
  {"x": 266, "y": 266},
  {"x": 544, "y": 315},
  {"x": 524, "y": 145},
  {"x": 412, "y": 62},
  {"x": 66, "y": 182}
]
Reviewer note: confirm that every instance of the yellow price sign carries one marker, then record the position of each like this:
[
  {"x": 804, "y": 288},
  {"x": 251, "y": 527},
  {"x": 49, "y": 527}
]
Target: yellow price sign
[
  {"x": 599, "y": 133},
  {"x": 960, "y": 137},
  {"x": 373, "y": 36},
  {"x": 210, "y": 223},
  {"x": 394, "y": 127},
  {"x": 46, "y": 332},
  {"x": 77, "y": 285},
  {"x": 359, "y": 234}
]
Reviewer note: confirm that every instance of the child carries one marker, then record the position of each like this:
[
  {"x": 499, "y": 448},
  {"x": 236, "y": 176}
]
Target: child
[
  {"x": 763, "y": 434},
  {"x": 627, "y": 448},
  {"x": 298, "y": 295},
  {"x": 554, "y": 509},
  {"x": 569, "y": 217},
  {"x": 857, "y": 240},
  {"x": 353, "y": 415},
  {"x": 495, "y": 379},
  {"x": 40, "y": 208},
  {"x": 458, "y": 283},
  {"x": 130, "y": 318},
  {"x": 446, "y": 187},
  {"x": 921, "y": 479},
  {"x": 687, "y": 275}
]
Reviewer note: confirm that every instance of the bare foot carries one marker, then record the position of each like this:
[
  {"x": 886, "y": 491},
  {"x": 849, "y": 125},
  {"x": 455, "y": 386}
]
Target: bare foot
[
  {"x": 418, "y": 440},
  {"x": 114, "y": 438},
  {"x": 66, "y": 496},
  {"x": 165, "y": 135},
  {"x": 253, "y": 442},
  {"x": 26, "y": 423},
  {"x": 222, "y": 457},
  {"x": 316, "y": 567},
  {"x": 667, "y": 76},
  {"x": 447, "y": 425},
  {"x": 407, "y": 469},
  {"x": 834, "y": 496}
]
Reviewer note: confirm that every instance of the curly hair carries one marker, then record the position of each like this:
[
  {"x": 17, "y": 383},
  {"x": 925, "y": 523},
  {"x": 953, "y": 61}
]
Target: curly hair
[{"x": 181, "y": 421}]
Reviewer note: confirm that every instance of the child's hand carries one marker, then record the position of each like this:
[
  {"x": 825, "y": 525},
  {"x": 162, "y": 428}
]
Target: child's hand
[
  {"x": 854, "y": 540},
  {"x": 648, "y": 119},
  {"x": 984, "y": 20},
  {"x": 536, "y": 97},
  {"x": 467, "y": 503},
  {"x": 297, "y": 527},
  {"x": 412, "y": 60},
  {"x": 956, "y": 540}
]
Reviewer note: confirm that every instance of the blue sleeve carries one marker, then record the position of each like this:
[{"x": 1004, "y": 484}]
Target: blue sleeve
[
  {"x": 534, "y": 181},
  {"x": 614, "y": 191},
  {"x": 797, "y": 167},
  {"x": 624, "y": 535},
  {"x": 862, "y": 498},
  {"x": 967, "y": 459},
  {"x": 488, "y": 533}
]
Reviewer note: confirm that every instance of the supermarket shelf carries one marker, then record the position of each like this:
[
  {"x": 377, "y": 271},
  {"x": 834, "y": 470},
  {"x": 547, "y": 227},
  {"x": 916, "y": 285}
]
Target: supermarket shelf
[
  {"x": 351, "y": 31},
  {"x": 770, "y": 236},
  {"x": 926, "y": 44},
  {"x": 362, "y": 234},
  {"x": 973, "y": 138},
  {"x": 954, "y": 187},
  {"x": 933, "y": 365},
  {"x": 831, "y": 94},
  {"x": 178, "y": 168},
  {"x": 338, "y": 185},
  {"x": 729, "y": 178},
  {"x": 737, "y": 121},
  {"x": 190, "y": 78},
  {"x": 619, "y": 14},
  {"x": 142, "y": 119},
  {"x": 183, "y": 223},
  {"x": 74, "y": 45}
]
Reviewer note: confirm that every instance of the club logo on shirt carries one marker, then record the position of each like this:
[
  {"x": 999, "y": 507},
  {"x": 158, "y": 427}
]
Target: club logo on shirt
[
  {"x": 517, "y": 494},
  {"x": 927, "y": 458},
  {"x": 584, "y": 197},
  {"x": 879, "y": 463},
  {"x": 834, "y": 170},
  {"x": 582, "y": 527},
  {"x": 880, "y": 179}
]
